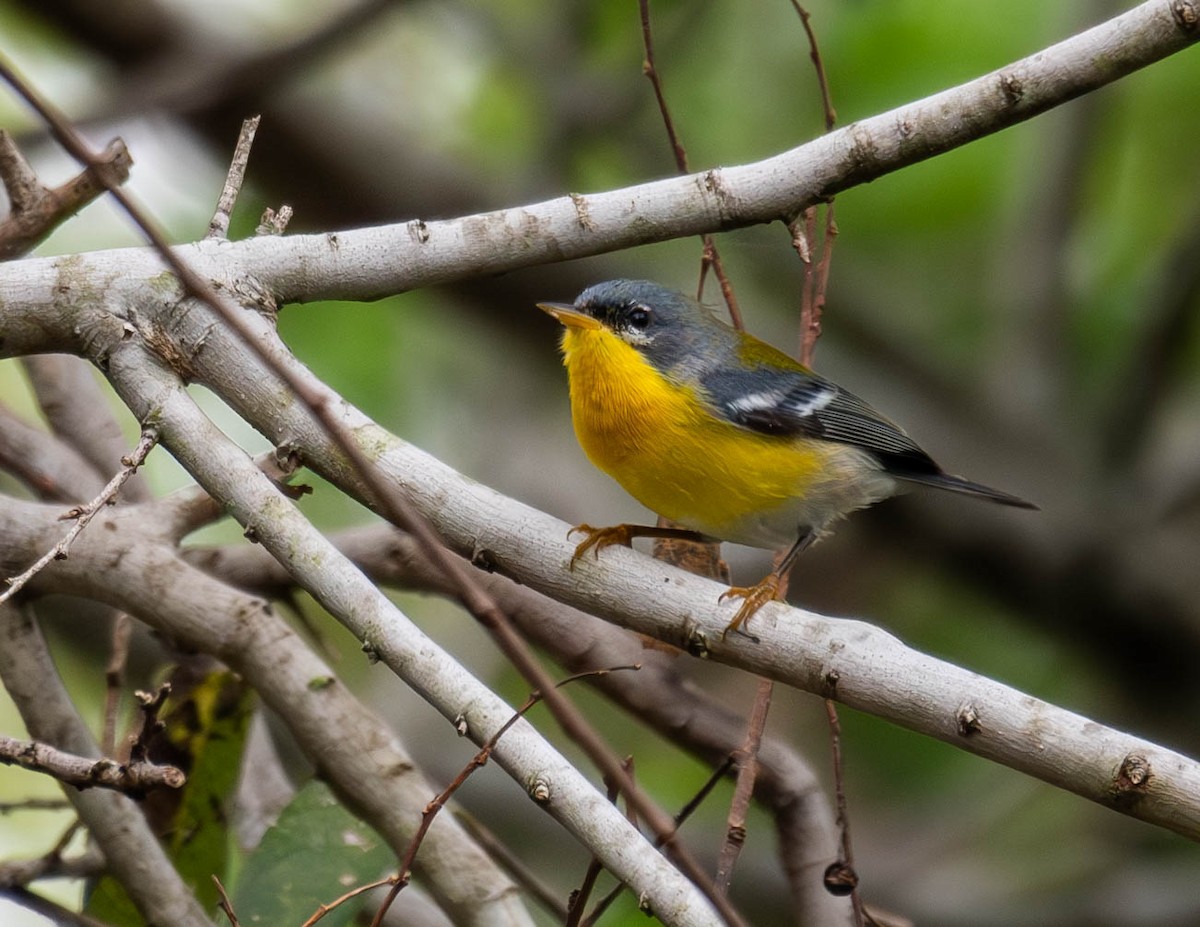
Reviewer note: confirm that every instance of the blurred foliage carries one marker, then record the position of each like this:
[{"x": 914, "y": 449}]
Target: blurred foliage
[{"x": 994, "y": 296}]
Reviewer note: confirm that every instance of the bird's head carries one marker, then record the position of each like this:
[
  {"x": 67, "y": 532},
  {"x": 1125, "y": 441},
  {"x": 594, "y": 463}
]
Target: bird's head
[{"x": 663, "y": 325}]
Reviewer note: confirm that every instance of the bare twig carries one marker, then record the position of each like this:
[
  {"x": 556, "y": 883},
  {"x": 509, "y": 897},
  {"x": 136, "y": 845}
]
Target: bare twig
[
  {"x": 841, "y": 877},
  {"x": 710, "y": 256},
  {"x": 85, "y": 513},
  {"x": 682, "y": 815},
  {"x": 78, "y": 413},
  {"x": 746, "y": 758},
  {"x": 814, "y": 53},
  {"x": 404, "y": 874},
  {"x": 34, "y": 804},
  {"x": 218, "y": 226},
  {"x": 225, "y": 904},
  {"x": 36, "y": 210},
  {"x": 533, "y": 886},
  {"x": 579, "y": 897},
  {"x": 133, "y": 778},
  {"x": 816, "y": 269},
  {"x": 52, "y": 865},
  {"x": 149, "y": 704}
]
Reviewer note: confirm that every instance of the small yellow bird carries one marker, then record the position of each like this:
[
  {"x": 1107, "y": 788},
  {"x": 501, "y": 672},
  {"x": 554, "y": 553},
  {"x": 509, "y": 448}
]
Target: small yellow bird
[{"x": 722, "y": 433}]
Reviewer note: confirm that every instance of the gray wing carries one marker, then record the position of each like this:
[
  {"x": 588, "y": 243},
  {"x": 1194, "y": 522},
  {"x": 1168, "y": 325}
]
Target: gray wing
[{"x": 791, "y": 403}]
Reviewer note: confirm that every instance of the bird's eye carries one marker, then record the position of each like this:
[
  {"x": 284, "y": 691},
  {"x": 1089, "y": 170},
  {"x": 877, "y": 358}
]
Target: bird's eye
[{"x": 638, "y": 318}]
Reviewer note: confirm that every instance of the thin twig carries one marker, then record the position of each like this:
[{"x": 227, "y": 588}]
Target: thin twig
[
  {"x": 225, "y": 904},
  {"x": 710, "y": 257},
  {"x": 85, "y": 513},
  {"x": 34, "y": 804},
  {"x": 579, "y": 898},
  {"x": 150, "y": 705},
  {"x": 682, "y": 815},
  {"x": 814, "y": 53},
  {"x": 548, "y": 897},
  {"x": 816, "y": 275},
  {"x": 401, "y": 878},
  {"x": 841, "y": 877},
  {"x": 323, "y": 909},
  {"x": 24, "y": 872},
  {"x": 52, "y": 910},
  {"x": 746, "y": 758},
  {"x": 816, "y": 270},
  {"x": 218, "y": 226}
]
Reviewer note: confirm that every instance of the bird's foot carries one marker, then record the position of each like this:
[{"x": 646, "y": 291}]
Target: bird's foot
[
  {"x": 597, "y": 539},
  {"x": 754, "y": 597}
]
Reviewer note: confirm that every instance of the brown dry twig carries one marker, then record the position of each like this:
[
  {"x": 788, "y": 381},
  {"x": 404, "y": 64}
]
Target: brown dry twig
[
  {"x": 114, "y": 678},
  {"x": 218, "y": 226},
  {"x": 710, "y": 256},
  {"x": 134, "y": 778},
  {"x": 36, "y": 210},
  {"x": 225, "y": 904},
  {"x": 402, "y": 877},
  {"x": 816, "y": 270},
  {"x": 746, "y": 758},
  {"x": 840, "y": 876},
  {"x": 682, "y": 815}
]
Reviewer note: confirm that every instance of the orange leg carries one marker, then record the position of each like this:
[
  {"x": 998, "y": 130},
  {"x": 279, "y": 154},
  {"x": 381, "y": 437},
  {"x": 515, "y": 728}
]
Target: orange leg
[
  {"x": 599, "y": 538},
  {"x": 756, "y": 596}
]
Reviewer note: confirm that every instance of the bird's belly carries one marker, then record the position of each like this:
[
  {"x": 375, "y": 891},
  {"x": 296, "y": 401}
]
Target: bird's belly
[{"x": 662, "y": 446}]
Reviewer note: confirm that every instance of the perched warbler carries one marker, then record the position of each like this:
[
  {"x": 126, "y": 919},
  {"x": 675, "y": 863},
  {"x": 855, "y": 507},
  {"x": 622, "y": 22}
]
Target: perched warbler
[{"x": 722, "y": 433}]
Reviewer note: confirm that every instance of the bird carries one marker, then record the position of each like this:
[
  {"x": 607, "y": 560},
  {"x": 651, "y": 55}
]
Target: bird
[{"x": 724, "y": 434}]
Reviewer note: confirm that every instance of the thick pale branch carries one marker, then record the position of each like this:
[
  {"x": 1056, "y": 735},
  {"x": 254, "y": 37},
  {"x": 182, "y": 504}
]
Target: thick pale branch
[
  {"x": 373, "y": 262},
  {"x": 229, "y": 475},
  {"x": 131, "y": 563},
  {"x": 134, "y": 855},
  {"x": 851, "y": 661},
  {"x": 656, "y": 695}
]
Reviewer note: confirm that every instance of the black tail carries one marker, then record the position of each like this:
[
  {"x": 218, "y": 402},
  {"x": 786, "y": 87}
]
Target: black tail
[{"x": 958, "y": 484}]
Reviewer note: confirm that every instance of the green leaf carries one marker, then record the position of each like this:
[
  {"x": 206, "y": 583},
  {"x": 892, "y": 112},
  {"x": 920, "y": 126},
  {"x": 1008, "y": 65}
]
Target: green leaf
[
  {"x": 315, "y": 853},
  {"x": 107, "y": 902},
  {"x": 211, "y": 727}
]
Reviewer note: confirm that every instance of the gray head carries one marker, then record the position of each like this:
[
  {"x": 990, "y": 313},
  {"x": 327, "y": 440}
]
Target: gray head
[{"x": 668, "y": 328}]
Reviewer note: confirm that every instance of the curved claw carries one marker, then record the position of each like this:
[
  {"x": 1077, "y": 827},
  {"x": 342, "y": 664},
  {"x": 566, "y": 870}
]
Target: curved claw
[
  {"x": 755, "y": 597},
  {"x": 599, "y": 538}
]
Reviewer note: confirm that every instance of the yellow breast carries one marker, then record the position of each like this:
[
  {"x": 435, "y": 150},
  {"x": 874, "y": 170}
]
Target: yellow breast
[{"x": 670, "y": 453}]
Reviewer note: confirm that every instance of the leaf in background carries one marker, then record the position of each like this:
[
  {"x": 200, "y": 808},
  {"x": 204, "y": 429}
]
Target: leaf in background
[
  {"x": 204, "y": 734},
  {"x": 210, "y": 726},
  {"x": 316, "y": 852}
]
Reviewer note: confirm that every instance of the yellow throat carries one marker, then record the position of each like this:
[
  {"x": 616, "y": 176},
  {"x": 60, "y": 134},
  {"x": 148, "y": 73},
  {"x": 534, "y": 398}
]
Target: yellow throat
[{"x": 665, "y": 447}]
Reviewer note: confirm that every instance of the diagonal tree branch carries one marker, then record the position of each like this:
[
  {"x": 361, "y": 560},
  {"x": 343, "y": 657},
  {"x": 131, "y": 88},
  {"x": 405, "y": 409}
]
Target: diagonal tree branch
[
  {"x": 852, "y": 661},
  {"x": 550, "y": 780},
  {"x": 131, "y": 563},
  {"x": 373, "y": 262}
]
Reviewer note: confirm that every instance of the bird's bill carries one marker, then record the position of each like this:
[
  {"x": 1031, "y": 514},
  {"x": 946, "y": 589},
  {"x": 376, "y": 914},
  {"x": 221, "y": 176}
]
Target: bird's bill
[{"x": 570, "y": 316}]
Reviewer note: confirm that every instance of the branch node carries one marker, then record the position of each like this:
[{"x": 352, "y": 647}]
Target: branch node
[{"x": 969, "y": 720}]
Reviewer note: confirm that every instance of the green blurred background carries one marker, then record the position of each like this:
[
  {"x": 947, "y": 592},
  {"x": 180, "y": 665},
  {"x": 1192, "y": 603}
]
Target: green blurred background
[{"x": 1025, "y": 306}]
